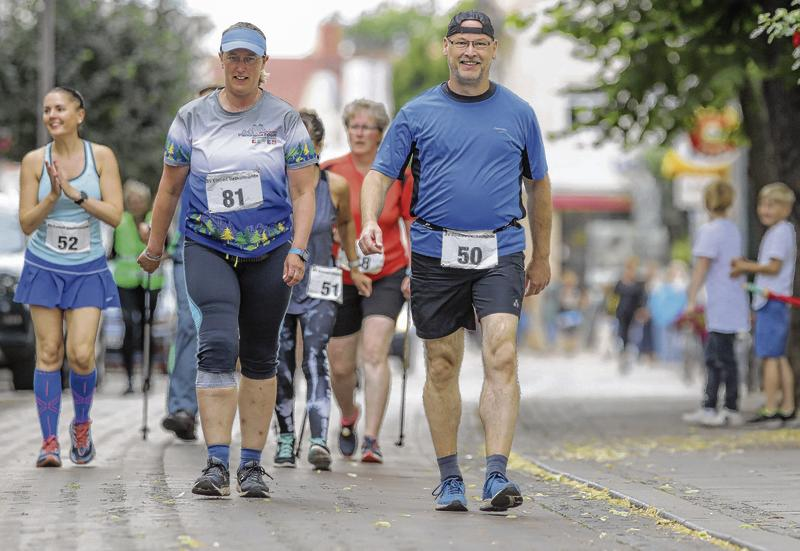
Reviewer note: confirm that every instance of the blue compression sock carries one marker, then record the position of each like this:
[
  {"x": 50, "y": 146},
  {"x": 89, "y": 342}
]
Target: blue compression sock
[
  {"x": 496, "y": 464},
  {"x": 448, "y": 466},
  {"x": 249, "y": 454},
  {"x": 47, "y": 390},
  {"x": 82, "y": 394},
  {"x": 221, "y": 452}
]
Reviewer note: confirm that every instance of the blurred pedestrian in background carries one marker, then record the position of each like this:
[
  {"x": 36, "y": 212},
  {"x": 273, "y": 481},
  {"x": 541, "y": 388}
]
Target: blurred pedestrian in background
[
  {"x": 717, "y": 244},
  {"x": 571, "y": 304},
  {"x": 774, "y": 271},
  {"x": 665, "y": 302},
  {"x": 631, "y": 298},
  {"x": 130, "y": 238}
]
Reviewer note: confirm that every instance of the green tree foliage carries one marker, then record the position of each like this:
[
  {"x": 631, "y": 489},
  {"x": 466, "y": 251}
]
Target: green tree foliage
[
  {"x": 781, "y": 24},
  {"x": 132, "y": 61},
  {"x": 658, "y": 62},
  {"x": 661, "y": 60},
  {"x": 412, "y": 37}
]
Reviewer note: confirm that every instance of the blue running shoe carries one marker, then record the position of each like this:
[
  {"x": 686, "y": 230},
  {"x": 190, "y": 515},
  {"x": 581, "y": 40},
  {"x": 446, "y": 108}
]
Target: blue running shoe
[
  {"x": 250, "y": 480},
  {"x": 450, "y": 495},
  {"x": 50, "y": 454},
  {"x": 82, "y": 450},
  {"x": 215, "y": 480},
  {"x": 500, "y": 494}
]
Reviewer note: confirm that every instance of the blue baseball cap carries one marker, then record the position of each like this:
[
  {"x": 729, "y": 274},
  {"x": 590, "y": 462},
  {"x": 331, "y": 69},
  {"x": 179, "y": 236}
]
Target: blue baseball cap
[{"x": 241, "y": 37}]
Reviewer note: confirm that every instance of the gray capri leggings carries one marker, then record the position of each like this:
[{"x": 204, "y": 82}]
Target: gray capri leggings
[{"x": 238, "y": 308}]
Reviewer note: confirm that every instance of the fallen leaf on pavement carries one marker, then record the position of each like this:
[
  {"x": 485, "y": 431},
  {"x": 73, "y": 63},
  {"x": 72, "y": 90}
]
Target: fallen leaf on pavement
[{"x": 190, "y": 541}]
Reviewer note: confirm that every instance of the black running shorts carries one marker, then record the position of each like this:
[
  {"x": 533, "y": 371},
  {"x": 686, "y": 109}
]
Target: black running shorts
[
  {"x": 386, "y": 300},
  {"x": 445, "y": 299}
]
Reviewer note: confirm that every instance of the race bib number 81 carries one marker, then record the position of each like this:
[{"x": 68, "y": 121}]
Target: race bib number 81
[
  {"x": 325, "y": 283},
  {"x": 231, "y": 191},
  {"x": 68, "y": 238},
  {"x": 469, "y": 250}
]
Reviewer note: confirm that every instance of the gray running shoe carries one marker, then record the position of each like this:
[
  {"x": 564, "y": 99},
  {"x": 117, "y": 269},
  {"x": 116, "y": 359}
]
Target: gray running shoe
[
  {"x": 215, "y": 480},
  {"x": 250, "y": 480},
  {"x": 319, "y": 455}
]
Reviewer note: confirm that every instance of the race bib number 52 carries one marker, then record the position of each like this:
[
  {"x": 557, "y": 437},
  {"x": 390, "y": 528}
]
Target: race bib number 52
[
  {"x": 469, "y": 250},
  {"x": 68, "y": 238},
  {"x": 231, "y": 191}
]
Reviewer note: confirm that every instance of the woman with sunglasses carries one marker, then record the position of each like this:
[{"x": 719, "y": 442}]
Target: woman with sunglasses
[{"x": 67, "y": 188}]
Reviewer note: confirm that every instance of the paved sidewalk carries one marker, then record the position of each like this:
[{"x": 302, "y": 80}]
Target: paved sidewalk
[{"x": 624, "y": 433}]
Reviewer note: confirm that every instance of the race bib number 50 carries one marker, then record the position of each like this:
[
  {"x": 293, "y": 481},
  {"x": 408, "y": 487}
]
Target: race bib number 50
[
  {"x": 469, "y": 250},
  {"x": 230, "y": 191},
  {"x": 68, "y": 238},
  {"x": 325, "y": 283}
]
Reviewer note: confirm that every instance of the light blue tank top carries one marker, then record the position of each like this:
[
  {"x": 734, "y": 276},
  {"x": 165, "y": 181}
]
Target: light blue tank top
[{"x": 69, "y": 235}]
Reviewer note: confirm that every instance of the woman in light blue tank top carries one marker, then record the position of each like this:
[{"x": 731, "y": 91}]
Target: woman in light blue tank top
[
  {"x": 313, "y": 308},
  {"x": 66, "y": 189}
]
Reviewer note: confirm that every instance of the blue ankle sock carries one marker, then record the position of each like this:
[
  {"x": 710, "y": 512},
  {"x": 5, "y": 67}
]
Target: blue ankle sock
[
  {"x": 249, "y": 454},
  {"x": 47, "y": 390},
  {"x": 82, "y": 394},
  {"x": 221, "y": 452},
  {"x": 496, "y": 464},
  {"x": 448, "y": 466}
]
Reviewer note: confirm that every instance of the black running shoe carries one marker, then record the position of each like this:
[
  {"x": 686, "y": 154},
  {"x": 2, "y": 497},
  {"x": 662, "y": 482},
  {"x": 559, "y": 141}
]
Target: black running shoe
[
  {"x": 348, "y": 439},
  {"x": 250, "y": 480},
  {"x": 764, "y": 415},
  {"x": 215, "y": 480},
  {"x": 181, "y": 423}
]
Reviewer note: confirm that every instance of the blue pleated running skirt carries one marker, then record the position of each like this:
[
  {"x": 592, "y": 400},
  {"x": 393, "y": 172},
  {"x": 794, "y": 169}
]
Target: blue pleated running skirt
[{"x": 66, "y": 287}]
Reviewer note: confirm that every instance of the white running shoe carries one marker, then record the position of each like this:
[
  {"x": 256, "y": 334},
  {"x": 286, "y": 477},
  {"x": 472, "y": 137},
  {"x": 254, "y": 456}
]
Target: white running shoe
[
  {"x": 706, "y": 417},
  {"x": 730, "y": 418}
]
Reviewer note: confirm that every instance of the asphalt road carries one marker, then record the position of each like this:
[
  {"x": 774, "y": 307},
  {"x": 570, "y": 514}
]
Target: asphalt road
[{"x": 136, "y": 494}]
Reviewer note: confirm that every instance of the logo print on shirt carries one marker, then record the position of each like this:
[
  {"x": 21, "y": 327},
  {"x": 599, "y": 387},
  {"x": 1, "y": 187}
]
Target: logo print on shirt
[{"x": 258, "y": 134}]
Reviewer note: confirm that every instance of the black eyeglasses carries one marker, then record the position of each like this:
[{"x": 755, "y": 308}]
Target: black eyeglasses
[{"x": 463, "y": 44}]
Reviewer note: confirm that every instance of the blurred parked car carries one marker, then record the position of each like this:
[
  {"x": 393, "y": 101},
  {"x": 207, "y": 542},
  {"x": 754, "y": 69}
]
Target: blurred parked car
[{"x": 17, "y": 343}]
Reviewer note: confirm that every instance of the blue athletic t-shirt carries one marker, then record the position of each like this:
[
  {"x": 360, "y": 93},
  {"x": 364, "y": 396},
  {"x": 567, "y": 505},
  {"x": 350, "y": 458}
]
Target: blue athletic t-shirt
[
  {"x": 236, "y": 197},
  {"x": 469, "y": 155}
]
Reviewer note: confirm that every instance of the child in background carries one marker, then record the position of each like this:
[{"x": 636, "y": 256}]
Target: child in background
[
  {"x": 718, "y": 243},
  {"x": 775, "y": 272}
]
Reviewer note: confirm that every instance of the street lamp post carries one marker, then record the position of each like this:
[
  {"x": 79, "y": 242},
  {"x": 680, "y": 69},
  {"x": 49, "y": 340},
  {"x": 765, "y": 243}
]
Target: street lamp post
[{"x": 47, "y": 62}]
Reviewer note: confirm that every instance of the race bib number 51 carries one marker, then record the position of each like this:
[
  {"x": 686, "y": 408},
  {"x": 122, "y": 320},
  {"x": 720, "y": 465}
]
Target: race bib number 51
[
  {"x": 231, "y": 191},
  {"x": 68, "y": 238},
  {"x": 469, "y": 250},
  {"x": 325, "y": 283}
]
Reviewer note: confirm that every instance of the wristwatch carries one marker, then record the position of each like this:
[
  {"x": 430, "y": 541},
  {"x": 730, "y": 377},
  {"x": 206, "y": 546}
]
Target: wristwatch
[
  {"x": 302, "y": 253},
  {"x": 82, "y": 198}
]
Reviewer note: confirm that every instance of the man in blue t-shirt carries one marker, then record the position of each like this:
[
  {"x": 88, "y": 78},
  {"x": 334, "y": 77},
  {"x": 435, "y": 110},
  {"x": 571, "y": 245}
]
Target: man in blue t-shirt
[{"x": 472, "y": 144}]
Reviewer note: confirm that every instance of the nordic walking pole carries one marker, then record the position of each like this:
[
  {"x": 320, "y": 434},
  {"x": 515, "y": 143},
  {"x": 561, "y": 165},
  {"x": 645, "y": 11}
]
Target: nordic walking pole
[
  {"x": 406, "y": 361},
  {"x": 302, "y": 431},
  {"x": 148, "y": 318}
]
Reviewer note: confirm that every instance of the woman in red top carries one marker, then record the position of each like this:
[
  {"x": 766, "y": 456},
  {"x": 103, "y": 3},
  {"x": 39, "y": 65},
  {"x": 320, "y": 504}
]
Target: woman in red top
[{"x": 373, "y": 312}]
